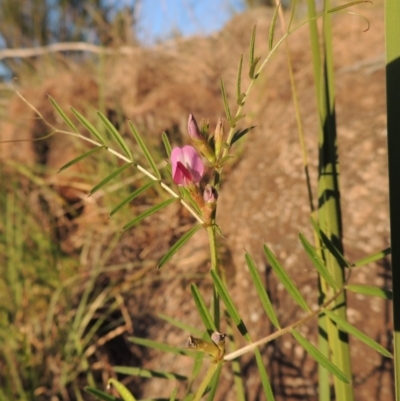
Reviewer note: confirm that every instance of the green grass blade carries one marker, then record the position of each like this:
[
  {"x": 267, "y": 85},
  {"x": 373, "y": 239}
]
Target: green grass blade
[
  {"x": 252, "y": 70},
  {"x": 101, "y": 394},
  {"x": 148, "y": 212},
  {"x": 264, "y": 376},
  {"x": 341, "y": 260},
  {"x": 132, "y": 196},
  {"x": 106, "y": 180},
  {"x": 317, "y": 262},
  {"x": 167, "y": 144},
  {"x": 81, "y": 157},
  {"x": 63, "y": 115},
  {"x": 206, "y": 381},
  {"x": 240, "y": 133},
  {"x": 285, "y": 279},
  {"x": 173, "y": 394},
  {"x": 319, "y": 357},
  {"x": 370, "y": 290},
  {"x": 88, "y": 126},
  {"x": 162, "y": 347},
  {"x": 272, "y": 27},
  {"x": 116, "y": 135},
  {"x": 348, "y": 328},
  {"x": 252, "y": 45},
  {"x": 136, "y": 371},
  {"x": 226, "y": 104},
  {"x": 372, "y": 258},
  {"x": 122, "y": 390},
  {"x": 178, "y": 245},
  {"x": 203, "y": 310},
  {"x": 214, "y": 383},
  {"x": 227, "y": 300},
  {"x": 239, "y": 95},
  {"x": 262, "y": 293},
  {"x": 145, "y": 151},
  {"x": 180, "y": 325}
]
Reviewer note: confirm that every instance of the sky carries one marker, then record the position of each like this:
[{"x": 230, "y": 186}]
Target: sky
[{"x": 161, "y": 19}]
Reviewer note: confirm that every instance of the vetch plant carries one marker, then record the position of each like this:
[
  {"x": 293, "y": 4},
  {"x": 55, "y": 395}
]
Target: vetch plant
[{"x": 201, "y": 199}]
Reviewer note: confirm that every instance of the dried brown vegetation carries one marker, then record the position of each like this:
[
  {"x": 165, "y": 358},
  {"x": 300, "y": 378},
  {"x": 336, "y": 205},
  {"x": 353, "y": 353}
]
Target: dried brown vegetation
[{"x": 263, "y": 198}]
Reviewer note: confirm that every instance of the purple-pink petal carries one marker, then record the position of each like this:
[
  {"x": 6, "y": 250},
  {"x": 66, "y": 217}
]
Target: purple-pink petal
[{"x": 191, "y": 161}]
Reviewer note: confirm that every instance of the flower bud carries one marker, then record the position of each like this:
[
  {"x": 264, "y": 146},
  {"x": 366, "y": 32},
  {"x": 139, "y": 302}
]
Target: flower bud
[
  {"x": 193, "y": 129},
  {"x": 219, "y": 137},
  {"x": 210, "y": 194},
  {"x": 199, "y": 140}
]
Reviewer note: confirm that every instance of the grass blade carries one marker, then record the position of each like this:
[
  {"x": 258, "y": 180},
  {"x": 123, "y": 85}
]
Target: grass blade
[
  {"x": 262, "y": 293},
  {"x": 178, "y": 244},
  {"x": 372, "y": 258},
  {"x": 348, "y": 328},
  {"x": 239, "y": 133},
  {"x": 132, "y": 196},
  {"x": 88, "y": 126},
  {"x": 116, "y": 135},
  {"x": 145, "y": 151},
  {"x": 272, "y": 28},
  {"x": 63, "y": 115},
  {"x": 122, "y": 390},
  {"x": 226, "y": 104},
  {"x": 101, "y": 394},
  {"x": 181, "y": 325},
  {"x": 214, "y": 383},
  {"x": 162, "y": 347},
  {"x": 318, "y": 262},
  {"x": 81, "y": 157},
  {"x": 110, "y": 177},
  {"x": 319, "y": 357},
  {"x": 285, "y": 279},
  {"x": 203, "y": 310},
  {"x": 227, "y": 300},
  {"x": 173, "y": 394},
  {"x": 167, "y": 145},
  {"x": 264, "y": 376},
  {"x": 135, "y": 371},
  {"x": 370, "y": 290},
  {"x": 239, "y": 95},
  {"x": 148, "y": 212}
]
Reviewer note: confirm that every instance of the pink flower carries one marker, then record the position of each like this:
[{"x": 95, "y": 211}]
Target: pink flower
[
  {"x": 187, "y": 167},
  {"x": 193, "y": 129}
]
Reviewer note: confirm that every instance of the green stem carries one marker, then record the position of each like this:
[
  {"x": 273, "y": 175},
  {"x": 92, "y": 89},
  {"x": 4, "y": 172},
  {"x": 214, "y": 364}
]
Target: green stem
[{"x": 207, "y": 379}]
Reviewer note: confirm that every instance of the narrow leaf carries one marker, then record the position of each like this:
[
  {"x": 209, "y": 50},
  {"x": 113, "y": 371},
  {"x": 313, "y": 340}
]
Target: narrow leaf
[
  {"x": 81, "y": 157},
  {"x": 252, "y": 45},
  {"x": 162, "y": 347},
  {"x": 148, "y": 212},
  {"x": 167, "y": 145},
  {"x": 348, "y": 328},
  {"x": 317, "y": 262},
  {"x": 285, "y": 279},
  {"x": 88, "y": 126},
  {"x": 63, "y": 115},
  {"x": 203, "y": 310},
  {"x": 136, "y": 371},
  {"x": 253, "y": 66},
  {"x": 238, "y": 134},
  {"x": 101, "y": 394},
  {"x": 132, "y": 196},
  {"x": 181, "y": 325},
  {"x": 262, "y": 293},
  {"x": 106, "y": 180},
  {"x": 178, "y": 245},
  {"x": 370, "y": 290},
  {"x": 272, "y": 27},
  {"x": 145, "y": 151},
  {"x": 330, "y": 246},
  {"x": 227, "y": 300},
  {"x": 239, "y": 94},
  {"x": 173, "y": 394},
  {"x": 264, "y": 376},
  {"x": 226, "y": 104},
  {"x": 319, "y": 357},
  {"x": 372, "y": 258},
  {"x": 237, "y": 118},
  {"x": 117, "y": 136},
  {"x": 122, "y": 390},
  {"x": 214, "y": 383}
]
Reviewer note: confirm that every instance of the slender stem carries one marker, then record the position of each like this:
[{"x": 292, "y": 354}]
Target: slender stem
[{"x": 207, "y": 379}]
